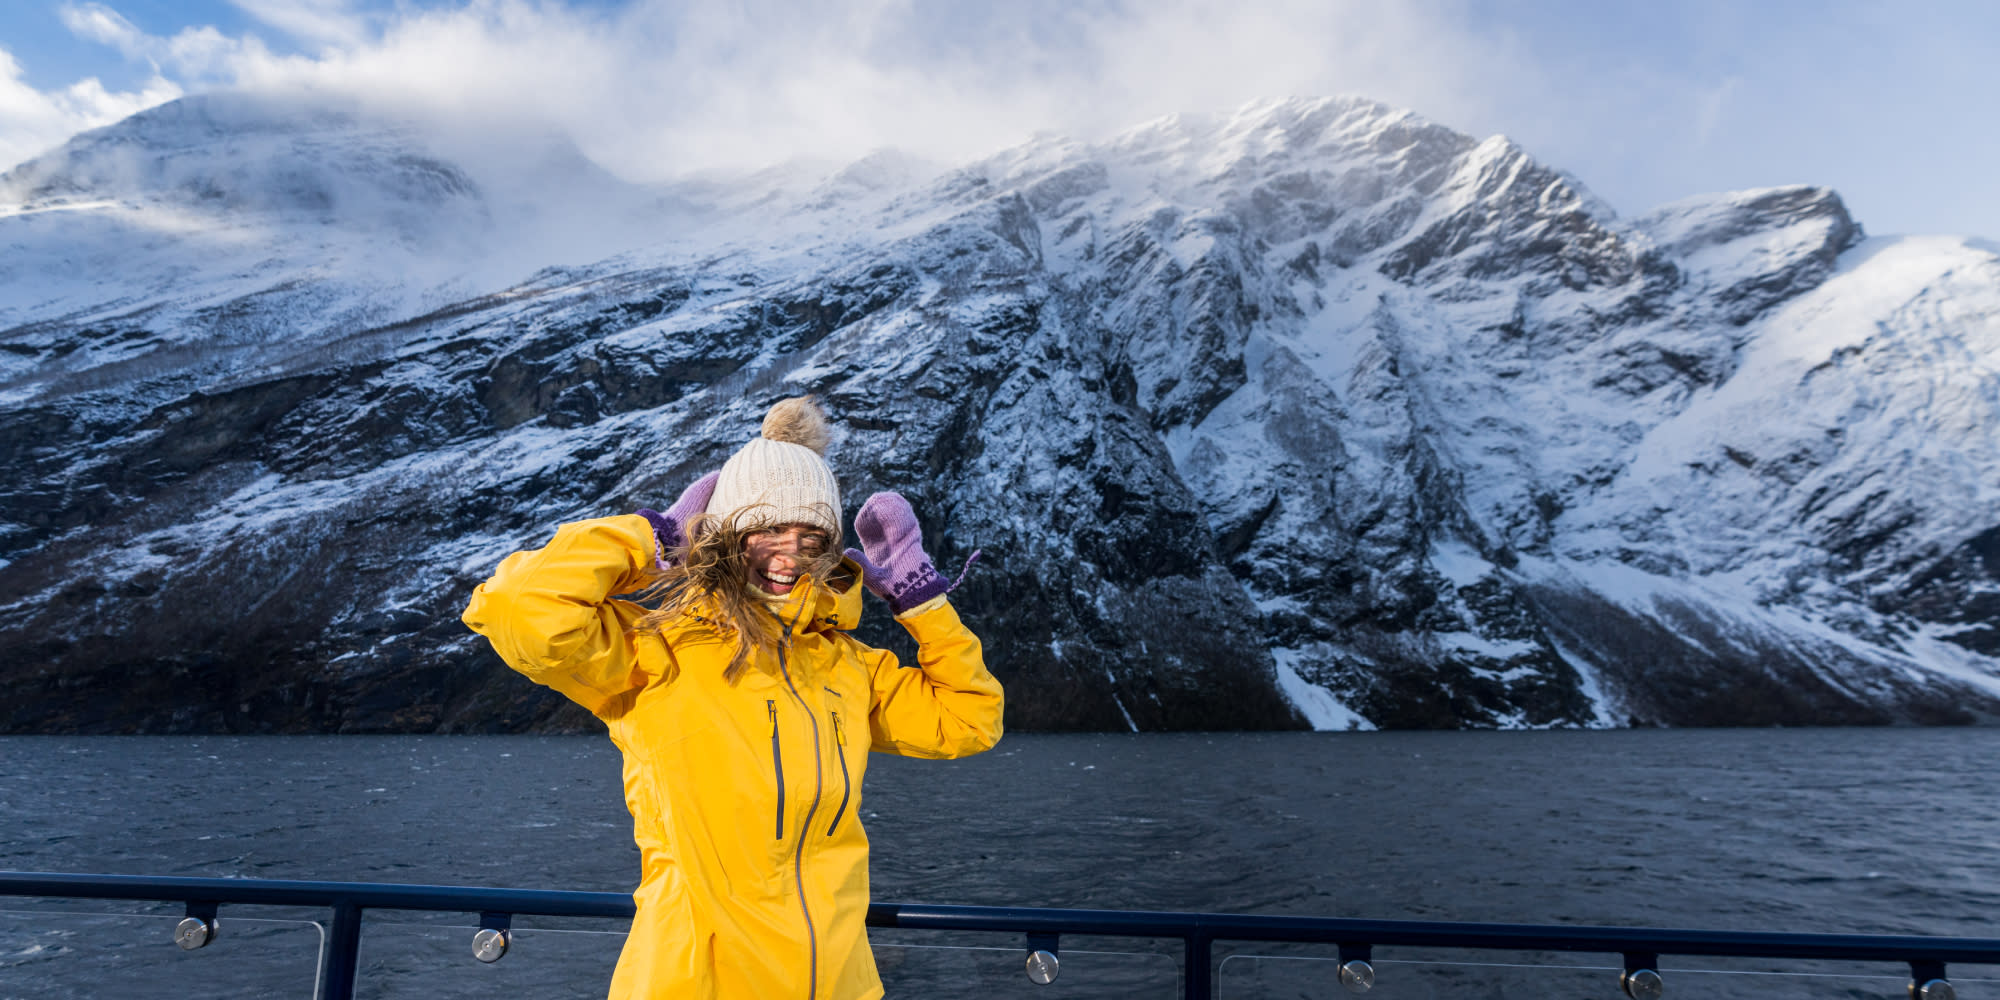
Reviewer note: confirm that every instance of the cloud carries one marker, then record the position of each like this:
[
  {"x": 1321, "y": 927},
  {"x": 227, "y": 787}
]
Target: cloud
[
  {"x": 330, "y": 22},
  {"x": 195, "y": 57},
  {"x": 1646, "y": 103},
  {"x": 98, "y": 23},
  {"x": 33, "y": 121},
  {"x": 1710, "y": 107},
  {"x": 663, "y": 87}
]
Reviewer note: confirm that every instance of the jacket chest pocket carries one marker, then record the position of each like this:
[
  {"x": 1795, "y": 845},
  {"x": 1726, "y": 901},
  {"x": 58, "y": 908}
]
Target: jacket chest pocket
[
  {"x": 777, "y": 770},
  {"x": 846, "y": 780}
]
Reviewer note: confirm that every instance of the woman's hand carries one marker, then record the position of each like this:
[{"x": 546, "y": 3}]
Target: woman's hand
[
  {"x": 670, "y": 529},
  {"x": 892, "y": 559}
]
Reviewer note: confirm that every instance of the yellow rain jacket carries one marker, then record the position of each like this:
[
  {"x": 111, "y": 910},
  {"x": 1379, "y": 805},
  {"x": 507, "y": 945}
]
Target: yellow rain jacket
[{"x": 745, "y": 798}]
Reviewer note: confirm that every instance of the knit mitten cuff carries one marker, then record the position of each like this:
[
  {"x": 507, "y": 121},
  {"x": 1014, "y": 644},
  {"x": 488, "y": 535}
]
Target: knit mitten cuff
[
  {"x": 670, "y": 529},
  {"x": 667, "y": 535},
  {"x": 920, "y": 583}
]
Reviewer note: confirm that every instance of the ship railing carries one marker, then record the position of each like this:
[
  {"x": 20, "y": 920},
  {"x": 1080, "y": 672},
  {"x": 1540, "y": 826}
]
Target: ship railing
[{"x": 1040, "y": 931}]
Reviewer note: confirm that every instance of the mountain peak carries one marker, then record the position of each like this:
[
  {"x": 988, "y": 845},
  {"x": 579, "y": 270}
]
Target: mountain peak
[{"x": 235, "y": 154}]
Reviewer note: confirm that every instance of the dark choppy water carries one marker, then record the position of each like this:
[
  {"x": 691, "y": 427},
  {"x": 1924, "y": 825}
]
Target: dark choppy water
[{"x": 1874, "y": 831}]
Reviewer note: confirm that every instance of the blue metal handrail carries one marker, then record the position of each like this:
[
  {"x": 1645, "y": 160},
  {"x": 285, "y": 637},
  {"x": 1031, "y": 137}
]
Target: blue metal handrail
[{"x": 1640, "y": 947}]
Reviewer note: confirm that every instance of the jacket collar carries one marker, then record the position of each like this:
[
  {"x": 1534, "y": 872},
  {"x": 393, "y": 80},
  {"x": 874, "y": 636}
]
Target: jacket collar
[{"x": 816, "y": 607}]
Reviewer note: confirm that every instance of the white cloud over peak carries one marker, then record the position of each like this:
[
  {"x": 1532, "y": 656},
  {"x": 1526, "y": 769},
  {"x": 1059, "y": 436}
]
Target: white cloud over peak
[
  {"x": 195, "y": 57},
  {"x": 1645, "y": 104},
  {"x": 33, "y": 121},
  {"x": 662, "y": 87}
]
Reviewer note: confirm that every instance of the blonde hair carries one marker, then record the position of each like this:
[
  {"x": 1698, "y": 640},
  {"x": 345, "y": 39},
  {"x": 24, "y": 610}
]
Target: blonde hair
[{"x": 709, "y": 579}]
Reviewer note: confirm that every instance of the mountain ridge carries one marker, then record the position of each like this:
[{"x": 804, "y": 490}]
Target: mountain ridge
[{"x": 1313, "y": 412}]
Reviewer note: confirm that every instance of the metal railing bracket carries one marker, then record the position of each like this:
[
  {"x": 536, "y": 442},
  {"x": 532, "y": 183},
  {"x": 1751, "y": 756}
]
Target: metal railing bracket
[
  {"x": 1043, "y": 966},
  {"x": 1928, "y": 982},
  {"x": 495, "y": 934},
  {"x": 1357, "y": 971},
  {"x": 199, "y": 927},
  {"x": 1641, "y": 978}
]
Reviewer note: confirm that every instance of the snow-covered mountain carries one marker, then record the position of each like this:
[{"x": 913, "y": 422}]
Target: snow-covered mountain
[{"x": 1313, "y": 413}]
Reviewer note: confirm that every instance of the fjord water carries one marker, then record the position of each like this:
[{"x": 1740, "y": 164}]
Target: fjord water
[{"x": 1836, "y": 830}]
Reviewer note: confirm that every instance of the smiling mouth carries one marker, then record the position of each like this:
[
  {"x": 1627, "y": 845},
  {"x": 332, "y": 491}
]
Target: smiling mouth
[{"x": 777, "y": 583}]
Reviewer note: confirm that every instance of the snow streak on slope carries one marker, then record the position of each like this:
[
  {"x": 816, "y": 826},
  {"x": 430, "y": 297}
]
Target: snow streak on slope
[{"x": 1316, "y": 413}]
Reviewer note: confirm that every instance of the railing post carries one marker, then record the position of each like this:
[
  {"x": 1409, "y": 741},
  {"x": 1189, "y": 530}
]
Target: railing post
[
  {"x": 343, "y": 953},
  {"x": 1198, "y": 979}
]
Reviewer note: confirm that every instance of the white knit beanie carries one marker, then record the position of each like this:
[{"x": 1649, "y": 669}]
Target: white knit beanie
[{"x": 780, "y": 477}]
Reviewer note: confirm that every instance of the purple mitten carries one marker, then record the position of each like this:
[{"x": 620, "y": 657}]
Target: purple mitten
[
  {"x": 670, "y": 528},
  {"x": 892, "y": 559}
]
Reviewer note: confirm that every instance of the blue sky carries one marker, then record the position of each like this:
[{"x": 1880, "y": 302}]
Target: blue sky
[{"x": 1645, "y": 102}]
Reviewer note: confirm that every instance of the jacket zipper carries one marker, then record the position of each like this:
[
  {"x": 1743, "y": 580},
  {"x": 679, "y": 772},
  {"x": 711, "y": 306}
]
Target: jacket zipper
[
  {"x": 799, "y": 852},
  {"x": 846, "y": 782},
  {"x": 777, "y": 767}
]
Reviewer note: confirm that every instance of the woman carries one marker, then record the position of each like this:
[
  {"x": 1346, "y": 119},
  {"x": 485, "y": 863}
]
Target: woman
[{"x": 744, "y": 707}]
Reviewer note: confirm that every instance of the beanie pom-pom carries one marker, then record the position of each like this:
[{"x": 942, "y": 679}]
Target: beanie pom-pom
[{"x": 799, "y": 421}]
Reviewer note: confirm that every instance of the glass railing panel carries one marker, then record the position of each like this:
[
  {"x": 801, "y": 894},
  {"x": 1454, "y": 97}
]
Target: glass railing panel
[
  {"x": 1242, "y": 975},
  {"x": 71, "y": 951},
  {"x": 955, "y": 966},
  {"x": 1458, "y": 974},
  {"x": 406, "y": 956},
  {"x": 1984, "y": 978},
  {"x": 1797, "y": 980}
]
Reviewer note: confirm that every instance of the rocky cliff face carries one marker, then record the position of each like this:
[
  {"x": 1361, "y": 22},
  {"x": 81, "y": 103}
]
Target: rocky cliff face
[{"x": 1315, "y": 413}]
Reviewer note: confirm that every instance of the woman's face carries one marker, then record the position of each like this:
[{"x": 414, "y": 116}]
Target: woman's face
[{"x": 775, "y": 558}]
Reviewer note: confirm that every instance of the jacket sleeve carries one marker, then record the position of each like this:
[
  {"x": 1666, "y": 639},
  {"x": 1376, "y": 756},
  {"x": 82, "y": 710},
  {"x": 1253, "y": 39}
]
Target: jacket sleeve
[
  {"x": 549, "y": 612},
  {"x": 950, "y": 706}
]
